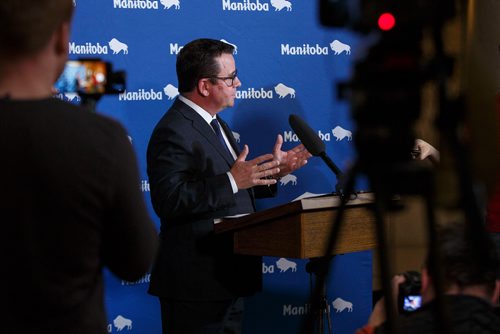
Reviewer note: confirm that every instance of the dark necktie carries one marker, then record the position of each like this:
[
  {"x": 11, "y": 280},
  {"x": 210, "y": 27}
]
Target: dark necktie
[{"x": 215, "y": 125}]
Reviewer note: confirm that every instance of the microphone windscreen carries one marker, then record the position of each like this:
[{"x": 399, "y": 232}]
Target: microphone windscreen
[{"x": 307, "y": 136}]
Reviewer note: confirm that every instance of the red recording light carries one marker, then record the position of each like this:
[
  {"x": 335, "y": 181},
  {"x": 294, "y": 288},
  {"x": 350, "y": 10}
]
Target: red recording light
[{"x": 386, "y": 21}]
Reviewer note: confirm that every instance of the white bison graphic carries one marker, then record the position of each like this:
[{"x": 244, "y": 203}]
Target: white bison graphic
[
  {"x": 236, "y": 136},
  {"x": 283, "y": 91},
  {"x": 121, "y": 323},
  {"x": 284, "y": 265},
  {"x": 280, "y": 4},
  {"x": 287, "y": 179},
  {"x": 340, "y": 133},
  {"x": 169, "y": 3},
  {"x": 340, "y": 305},
  {"x": 171, "y": 91},
  {"x": 116, "y": 46},
  {"x": 339, "y": 47}
]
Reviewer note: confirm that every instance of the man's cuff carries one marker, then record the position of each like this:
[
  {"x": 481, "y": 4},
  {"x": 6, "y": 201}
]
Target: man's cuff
[{"x": 233, "y": 182}]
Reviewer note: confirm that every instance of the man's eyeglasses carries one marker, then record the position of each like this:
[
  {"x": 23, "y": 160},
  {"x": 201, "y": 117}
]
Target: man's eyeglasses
[{"x": 229, "y": 81}]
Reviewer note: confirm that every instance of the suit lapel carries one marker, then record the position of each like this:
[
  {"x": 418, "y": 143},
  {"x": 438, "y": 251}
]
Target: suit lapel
[
  {"x": 229, "y": 135},
  {"x": 206, "y": 130},
  {"x": 236, "y": 148}
]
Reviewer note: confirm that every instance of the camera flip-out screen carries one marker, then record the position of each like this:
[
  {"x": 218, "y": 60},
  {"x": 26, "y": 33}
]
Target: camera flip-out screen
[{"x": 83, "y": 77}]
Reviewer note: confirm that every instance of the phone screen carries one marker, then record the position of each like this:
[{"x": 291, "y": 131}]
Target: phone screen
[
  {"x": 83, "y": 77},
  {"x": 412, "y": 303}
]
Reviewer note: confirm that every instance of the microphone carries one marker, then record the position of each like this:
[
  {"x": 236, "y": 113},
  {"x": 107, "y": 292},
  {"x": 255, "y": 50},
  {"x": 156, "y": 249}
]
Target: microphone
[{"x": 312, "y": 142}]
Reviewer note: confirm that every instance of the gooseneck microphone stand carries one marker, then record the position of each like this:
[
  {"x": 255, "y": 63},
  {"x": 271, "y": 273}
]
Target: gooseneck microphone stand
[{"x": 317, "y": 266}]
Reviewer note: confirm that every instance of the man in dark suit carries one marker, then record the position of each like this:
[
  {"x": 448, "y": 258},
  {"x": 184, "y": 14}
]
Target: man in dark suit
[{"x": 197, "y": 177}]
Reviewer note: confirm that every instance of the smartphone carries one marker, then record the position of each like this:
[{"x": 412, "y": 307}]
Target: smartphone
[
  {"x": 89, "y": 76},
  {"x": 409, "y": 298},
  {"x": 411, "y": 303}
]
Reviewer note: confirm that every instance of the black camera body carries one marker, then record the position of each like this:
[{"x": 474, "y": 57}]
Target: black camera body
[{"x": 409, "y": 297}]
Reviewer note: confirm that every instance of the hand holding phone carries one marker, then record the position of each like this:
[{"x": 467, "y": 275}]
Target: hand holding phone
[{"x": 409, "y": 298}]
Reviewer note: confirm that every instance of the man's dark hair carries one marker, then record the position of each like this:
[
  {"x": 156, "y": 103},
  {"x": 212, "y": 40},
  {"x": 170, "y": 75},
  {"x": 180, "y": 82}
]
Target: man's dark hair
[
  {"x": 468, "y": 258},
  {"x": 28, "y": 25},
  {"x": 196, "y": 60}
]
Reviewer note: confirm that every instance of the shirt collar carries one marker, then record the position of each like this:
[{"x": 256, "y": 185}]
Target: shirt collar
[{"x": 202, "y": 112}]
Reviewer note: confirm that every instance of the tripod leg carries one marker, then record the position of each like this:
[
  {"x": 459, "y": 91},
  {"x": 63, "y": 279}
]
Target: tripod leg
[
  {"x": 442, "y": 312},
  {"x": 383, "y": 257},
  {"x": 328, "y": 318}
]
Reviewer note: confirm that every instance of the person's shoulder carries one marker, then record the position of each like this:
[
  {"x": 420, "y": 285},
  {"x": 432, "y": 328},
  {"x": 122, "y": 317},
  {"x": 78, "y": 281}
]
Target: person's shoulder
[
  {"x": 84, "y": 116},
  {"x": 177, "y": 118},
  {"x": 177, "y": 111},
  {"x": 92, "y": 127}
]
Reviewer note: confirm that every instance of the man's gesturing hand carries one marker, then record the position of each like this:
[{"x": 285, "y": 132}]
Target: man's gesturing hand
[
  {"x": 291, "y": 160},
  {"x": 254, "y": 172}
]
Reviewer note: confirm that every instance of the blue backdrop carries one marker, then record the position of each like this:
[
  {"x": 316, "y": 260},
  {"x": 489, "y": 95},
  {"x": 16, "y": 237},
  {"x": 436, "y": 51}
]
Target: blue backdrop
[{"x": 288, "y": 63}]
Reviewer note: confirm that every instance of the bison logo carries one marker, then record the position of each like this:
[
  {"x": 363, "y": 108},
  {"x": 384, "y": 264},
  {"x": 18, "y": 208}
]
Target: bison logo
[
  {"x": 284, "y": 265},
  {"x": 280, "y": 4},
  {"x": 287, "y": 179},
  {"x": 116, "y": 46},
  {"x": 283, "y": 91},
  {"x": 169, "y": 3},
  {"x": 121, "y": 323},
  {"x": 339, "y": 133},
  {"x": 236, "y": 136},
  {"x": 340, "y": 305},
  {"x": 171, "y": 91},
  {"x": 339, "y": 47}
]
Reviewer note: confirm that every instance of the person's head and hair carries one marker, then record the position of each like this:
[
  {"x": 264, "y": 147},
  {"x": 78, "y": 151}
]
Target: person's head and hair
[
  {"x": 467, "y": 267},
  {"x": 32, "y": 28},
  {"x": 468, "y": 260},
  {"x": 198, "y": 60},
  {"x": 207, "y": 74}
]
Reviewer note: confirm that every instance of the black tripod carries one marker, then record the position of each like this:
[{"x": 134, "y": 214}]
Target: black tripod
[{"x": 386, "y": 181}]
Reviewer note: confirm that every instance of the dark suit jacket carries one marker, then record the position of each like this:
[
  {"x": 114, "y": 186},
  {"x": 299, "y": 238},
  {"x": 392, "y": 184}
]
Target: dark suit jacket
[{"x": 187, "y": 168}]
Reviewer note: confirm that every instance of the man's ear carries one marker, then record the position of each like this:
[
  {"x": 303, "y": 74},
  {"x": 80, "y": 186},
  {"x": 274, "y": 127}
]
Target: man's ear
[
  {"x": 62, "y": 39},
  {"x": 203, "y": 87}
]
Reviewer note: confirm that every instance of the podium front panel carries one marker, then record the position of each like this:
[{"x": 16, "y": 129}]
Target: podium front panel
[{"x": 306, "y": 234}]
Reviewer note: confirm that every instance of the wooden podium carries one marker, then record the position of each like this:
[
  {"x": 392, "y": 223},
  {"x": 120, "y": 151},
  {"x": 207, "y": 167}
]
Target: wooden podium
[{"x": 300, "y": 229}]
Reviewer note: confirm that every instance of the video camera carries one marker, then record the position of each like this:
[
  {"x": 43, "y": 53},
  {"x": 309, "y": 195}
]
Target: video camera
[
  {"x": 386, "y": 87},
  {"x": 90, "y": 78}
]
